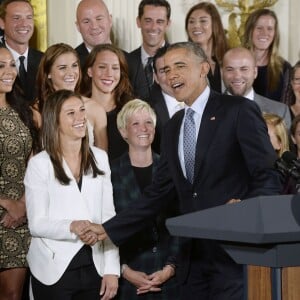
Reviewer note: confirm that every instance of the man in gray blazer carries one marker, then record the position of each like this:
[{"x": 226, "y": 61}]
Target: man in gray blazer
[{"x": 238, "y": 72}]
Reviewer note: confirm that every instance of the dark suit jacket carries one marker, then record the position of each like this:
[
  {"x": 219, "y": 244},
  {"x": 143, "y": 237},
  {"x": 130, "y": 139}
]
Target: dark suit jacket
[
  {"x": 158, "y": 103},
  {"x": 153, "y": 247},
  {"x": 34, "y": 58},
  {"x": 82, "y": 53},
  {"x": 137, "y": 75},
  {"x": 234, "y": 159}
]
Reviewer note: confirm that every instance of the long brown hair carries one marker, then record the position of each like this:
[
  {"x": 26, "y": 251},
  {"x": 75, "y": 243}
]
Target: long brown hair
[
  {"x": 290, "y": 93},
  {"x": 275, "y": 64},
  {"x": 44, "y": 83},
  {"x": 219, "y": 43},
  {"x": 123, "y": 91},
  {"x": 51, "y": 140}
]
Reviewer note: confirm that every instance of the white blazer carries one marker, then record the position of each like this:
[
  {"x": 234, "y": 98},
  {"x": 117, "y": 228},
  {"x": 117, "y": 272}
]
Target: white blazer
[{"x": 51, "y": 207}]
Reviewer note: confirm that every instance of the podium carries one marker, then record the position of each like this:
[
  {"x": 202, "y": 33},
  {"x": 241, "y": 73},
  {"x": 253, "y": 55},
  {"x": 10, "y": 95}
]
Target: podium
[{"x": 262, "y": 231}]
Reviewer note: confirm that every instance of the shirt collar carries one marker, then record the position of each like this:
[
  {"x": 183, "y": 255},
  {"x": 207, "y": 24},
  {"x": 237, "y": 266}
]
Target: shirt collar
[
  {"x": 15, "y": 54},
  {"x": 249, "y": 96},
  {"x": 199, "y": 104},
  {"x": 145, "y": 55}
]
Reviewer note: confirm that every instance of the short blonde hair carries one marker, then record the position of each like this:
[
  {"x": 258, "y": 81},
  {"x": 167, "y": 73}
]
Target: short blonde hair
[
  {"x": 280, "y": 130},
  {"x": 130, "y": 108}
]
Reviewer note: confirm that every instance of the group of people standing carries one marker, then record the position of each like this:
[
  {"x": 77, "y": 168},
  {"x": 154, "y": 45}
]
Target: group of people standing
[{"x": 95, "y": 131}]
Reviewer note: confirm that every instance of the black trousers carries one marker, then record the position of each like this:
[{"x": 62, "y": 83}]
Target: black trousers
[
  {"x": 80, "y": 281},
  {"x": 213, "y": 275}
]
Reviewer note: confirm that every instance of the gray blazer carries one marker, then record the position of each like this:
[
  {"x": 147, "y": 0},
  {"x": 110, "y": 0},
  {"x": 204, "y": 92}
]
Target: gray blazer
[{"x": 270, "y": 106}]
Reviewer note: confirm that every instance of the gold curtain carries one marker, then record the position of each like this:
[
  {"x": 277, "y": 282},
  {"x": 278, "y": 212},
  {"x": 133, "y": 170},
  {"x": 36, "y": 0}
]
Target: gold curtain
[{"x": 39, "y": 39}]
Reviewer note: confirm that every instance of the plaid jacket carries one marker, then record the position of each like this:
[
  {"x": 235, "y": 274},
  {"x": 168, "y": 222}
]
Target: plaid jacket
[{"x": 150, "y": 249}]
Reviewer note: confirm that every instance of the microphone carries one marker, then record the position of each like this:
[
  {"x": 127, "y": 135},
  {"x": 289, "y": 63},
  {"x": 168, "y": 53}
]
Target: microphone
[
  {"x": 291, "y": 158},
  {"x": 288, "y": 165}
]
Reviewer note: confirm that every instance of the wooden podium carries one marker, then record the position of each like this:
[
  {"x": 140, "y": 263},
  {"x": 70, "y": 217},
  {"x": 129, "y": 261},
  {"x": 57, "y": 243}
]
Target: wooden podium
[
  {"x": 262, "y": 232},
  {"x": 260, "y": 278}
]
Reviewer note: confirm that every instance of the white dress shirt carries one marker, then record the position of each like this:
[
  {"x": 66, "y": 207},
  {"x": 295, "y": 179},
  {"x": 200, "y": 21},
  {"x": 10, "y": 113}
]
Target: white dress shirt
[
  {"x": 16, "y": 56},
  {"x": 172, "y": 104}
]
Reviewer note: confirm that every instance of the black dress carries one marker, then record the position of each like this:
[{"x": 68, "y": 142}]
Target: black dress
[{"x": 116, "y": 144}]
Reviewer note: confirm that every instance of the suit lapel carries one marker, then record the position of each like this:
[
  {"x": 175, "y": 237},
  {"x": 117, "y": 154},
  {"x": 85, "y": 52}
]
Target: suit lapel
[
  {"x": 210, "y": 121},
  {"x": 173, "y": 142},
  {"x": 159, "y": 104}
]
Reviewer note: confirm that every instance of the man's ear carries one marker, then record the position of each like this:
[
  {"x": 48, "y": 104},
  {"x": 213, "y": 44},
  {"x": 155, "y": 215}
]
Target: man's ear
[
  {"x": 138, "y": 22},
  {"x": 204, "y": 68},
  {"x": 255, "y": 72}
]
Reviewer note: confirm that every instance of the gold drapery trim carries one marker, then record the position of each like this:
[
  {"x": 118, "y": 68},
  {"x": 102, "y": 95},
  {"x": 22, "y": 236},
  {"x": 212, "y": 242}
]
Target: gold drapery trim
[{"x": 39, "y": 39}]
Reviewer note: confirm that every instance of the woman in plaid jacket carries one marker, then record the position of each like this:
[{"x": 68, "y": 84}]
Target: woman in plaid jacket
[{"x": 149, "y": 258}]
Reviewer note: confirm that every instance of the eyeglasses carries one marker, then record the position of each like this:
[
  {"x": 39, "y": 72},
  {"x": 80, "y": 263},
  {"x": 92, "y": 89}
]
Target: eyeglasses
[{"x": 296, "y": 80}]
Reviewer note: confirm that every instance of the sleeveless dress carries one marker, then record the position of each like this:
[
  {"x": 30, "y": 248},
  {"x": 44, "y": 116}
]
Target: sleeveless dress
[{"x": 15, "y": 148}]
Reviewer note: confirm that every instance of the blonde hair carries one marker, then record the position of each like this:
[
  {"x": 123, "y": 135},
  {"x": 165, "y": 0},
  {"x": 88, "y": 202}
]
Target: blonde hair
[
  {"x": 280, "y": 131},
  {"x": 130, "y": 108}
]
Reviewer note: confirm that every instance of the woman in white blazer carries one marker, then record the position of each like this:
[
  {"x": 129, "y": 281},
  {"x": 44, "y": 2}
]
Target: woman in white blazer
[{"x": 67, "y": 186}]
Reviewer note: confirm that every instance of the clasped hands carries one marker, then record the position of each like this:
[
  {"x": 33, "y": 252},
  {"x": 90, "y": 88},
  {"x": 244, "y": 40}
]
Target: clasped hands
[
  {"x": 89, "y": 233},
  {"x": 146, "y": 283}
]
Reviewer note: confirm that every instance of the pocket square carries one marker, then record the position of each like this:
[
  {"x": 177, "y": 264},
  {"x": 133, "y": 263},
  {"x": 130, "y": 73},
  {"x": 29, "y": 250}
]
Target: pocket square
[{"x": 213, "y": 118}]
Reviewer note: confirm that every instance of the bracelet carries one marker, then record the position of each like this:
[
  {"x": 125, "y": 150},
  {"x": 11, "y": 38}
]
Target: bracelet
[{"x": 173, "y": 267}]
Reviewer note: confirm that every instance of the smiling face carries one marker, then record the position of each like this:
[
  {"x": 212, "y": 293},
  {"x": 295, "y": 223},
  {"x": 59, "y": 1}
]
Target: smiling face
[
  {"x": 139, "y": 131},
  {"x": 105, "y": 72},
  {"x": 8, "y": 71},
  {"x": 72, "y": 119},
  {"x": 161, "y": 78},
  {"x": 263, "y": 32},
  {"x": 64, "y": 72},
  {"x": 93, "y": 22},
  {"x": 186, "y": 74},
  {"x": 18, "y": 23},
  {"x": 199, "y": 27},
  {"x": 238, "y": 71},
  {"x": 296, "y": 83},
  {"x": 153, "y": 24}
]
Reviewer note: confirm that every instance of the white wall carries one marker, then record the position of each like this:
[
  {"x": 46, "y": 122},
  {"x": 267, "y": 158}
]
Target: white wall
[{"x": 61, "y": 23}]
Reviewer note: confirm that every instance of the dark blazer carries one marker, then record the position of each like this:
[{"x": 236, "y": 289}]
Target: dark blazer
[
  {"x": 34, "y": 58},
  {"x": 234, "y": 159},
  {"x": 153, "y": 247},
  {"x": 137, "y": 75},
  {"x": 82, "y": 53},
  {"x": 158, "y": 103},
  {"x": 30, "y": 91}
]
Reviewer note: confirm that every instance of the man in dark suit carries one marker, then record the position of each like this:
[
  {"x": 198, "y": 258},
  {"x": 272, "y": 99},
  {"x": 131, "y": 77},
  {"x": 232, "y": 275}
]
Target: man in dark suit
[
  {"x": 233, "y": 160},
  {"x": 94, "y": 23},
  {"x": 239, "y": 72},
  {"x": 162, "y": 98},
  {"x": 16, "y": 19},
  {"x": 153, "y": 19}
]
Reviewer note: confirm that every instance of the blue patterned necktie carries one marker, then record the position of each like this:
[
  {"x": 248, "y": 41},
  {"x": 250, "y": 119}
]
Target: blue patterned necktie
[{"x": 189, "y": 144}]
